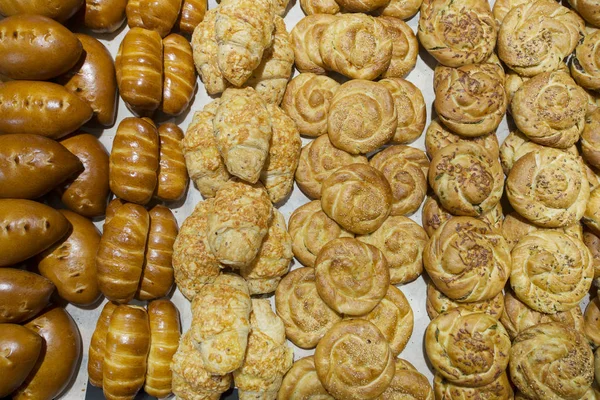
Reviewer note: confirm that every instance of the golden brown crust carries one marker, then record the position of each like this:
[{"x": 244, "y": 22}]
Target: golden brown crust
[
  {"x": 592, "y": 241},
  {"x": 499, "y": 389},
  {"x": 361, "y": 6},
  {"x": 584, "y": 63},
  {"x": 179, "y": 74},
  {"x": 302, "y": 383},
  {"x": 192, "y": 14},
  {"x": 502, "y": 7},
  {"x": 438, "y": 137},
  {"x": 55, "y": 9},
  {"x": 515, "y": 227},
  {"x": 408, "y": 384},
  {"x": 433, "y": 215},
  {"x": 205, "y": 49},
  {"x": 172, "y": 173},
  {"x": 588, "y": 9},
  {"x": 437, "y": 303},
  {"x": 311, "y": 7},
  {"x": 405, "y": 47},
  {"x": 159, "y": 16},
  {"x": 306, "y": 36},
  {"x": 104, "y": 16},
  {"x": 98, "y": 345},
  {"x": 410, "y": 107},
  {"x": 592, "y": 322},
  {"x": 590, "y": 139}
]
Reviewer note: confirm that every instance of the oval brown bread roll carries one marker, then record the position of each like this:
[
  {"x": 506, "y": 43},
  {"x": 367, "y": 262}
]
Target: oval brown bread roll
[
  {"x": 134, "y": 160},
  {"x": 139, "y": 68},
  {"x": 172, "y": 174},
  {"x": 192, "y": 13},
  {"x": 20, "y": 349},
  {"x": 159, "y": 16},
  {"x": 23, "y": 294},
  {"x": 112, "y": 208},
  {"x": 179, "y": 74},
  {"x": 27, "y": 228},
  {"x": 97, "y": 349},
  {"x": 59, "y": 10},
  {"x": 41, "y": 108},
  {"x": 93, "y": 79},
  {"x": 32, "y": 165},
  {"x": 71, "y": 263},
  {"x": 157, "y": 275},
  {"x": 165, "y": 331},
  {"x": 61, "y": 355},
  {"x": 88, "y": 193},
  {"x": 104, "y": 16},
  {"x": 127, "y": 346},
  {"x": 35, "y": 47},
  {"x": 121, "y": 252}
]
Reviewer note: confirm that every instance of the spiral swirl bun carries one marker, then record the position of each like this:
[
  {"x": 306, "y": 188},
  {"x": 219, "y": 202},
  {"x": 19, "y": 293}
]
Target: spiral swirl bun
[
  {"x": 590, "y": 139},
  {"x": 361, "y": 6},
  {"x": 551, "y": 361},
  {"x": 467, "y": 260},
  {"x": 548, "y": 187},
  {"x": 592, "y": 241},
  {"x": 408, "y": 384},
  {"x": 514, "y": 227},
  {"x": 437, "y": 303},
  {"x": 550, "y": 109},
  {"x": 354, "y": 361},
  {"x": 591, "y": 217},
  {"x": 502, "y": 7},
  {"x": 306, "y": 36},
  {"x": 536, "y": 36},
  {"x": 458, "y": 32},
  {"x": 588, "y": 9},
  {"x": 470, "y": 100},
  {"x": 402, "y": 9},
  {"x": 405, "y": 47},
  {"x": 438, "y": 137},
  {"x": 466, "y": 179},
  {"x": 410, "y": 106},
  {"x": 466, "y": 348},
  {"x": 592, "y": 322},
  {"x": 499, "y": 389},
  {"x": 585, "y": 63},
  {"x": 302, "y": 383}
]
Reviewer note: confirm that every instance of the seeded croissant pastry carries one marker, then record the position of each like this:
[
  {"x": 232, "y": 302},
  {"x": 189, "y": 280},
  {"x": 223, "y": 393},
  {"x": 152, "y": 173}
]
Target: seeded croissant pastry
[
  {"x": 588, "y": 9},
  {"x": 438, "y": 137},
  {"x": 405, "y": 47},
  {"x": 410, "y": 106},
  {"x": 205, "y": 50},
  {"x": 306, "y": 36}
]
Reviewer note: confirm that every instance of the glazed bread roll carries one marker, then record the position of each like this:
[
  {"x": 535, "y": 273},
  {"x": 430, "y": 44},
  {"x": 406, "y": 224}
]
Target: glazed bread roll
[
  {"x": 362, "y": 348},
  {"x": 539, "y": 353},
  {"x": 319, "y": 7},
  {"x": 588, "y": 9},
  {"x": 284, "y": 155},
  {"x": 438, "y": 137},
  {"x": 584, "y": 66},
  {"x": 405, "y": 169},
  {"x": 466, "y": 179},
  {"x": 318, "y": 160},
  {"x": 159, "y": 16},
  {"x": 179, "y": 74},
  {"x": 305, "y": 315},
  {"x": 192, "y": 14},
  {"x": 242, "y": 129},
  {"x": 172, "y": 179},
  {"x": 301, "y": 382},
  {"x": 410, "y": 107},
  {"x": 273, "y": 259},
  {"x": 268, "y": 357},
  {"x": 357, "y": 46},
  {"x": 467, "y": 260},
  {"x": 127, "y": 346},
  {"x": 470, "y": 100},
  {"x": 271, "y": 76},
  {"x": 306, "y": 101},
  {"x": 394, "y": 318},
  {"x": 194, "y": 265},
  {"x": 23, "y": 295},
  {"x": 551, "y": 271},
  {"x": 57, "y": 10},
  {"x": 499, "y": 389},
  {"x": 21, "y": 348},
  {"x": 134, "y": 162},
  {"x": 402, "y": 9},
  {"x": 438, "y": 303},
  {"x": 592, "y": 322},
  {"x": 351, "y": 277},
  {"x": 361, "y": 6},
  {"x": 405, "y": 47},
  {"x": 306, "y": 36},
  {"x": 97, "y": 348},
  {"x": 401, "y": 241},
  {"x": 514, "y": 227},
  {"x": 205, "y": 50},
  {"x": 457, "y": 33},
  {"x": 238, "y": 221},
  {"x": 221, "y": 323},
  {"x": 139, "y": 66},
  {"x": 243, "y": 31},
  {"x": 523, "y": 41},
  {"x": 550, "y": 109},
  {"x": 590, "y": 139},
  {"x": 358, "y": 197},
  {"x": 105, "y": 16},
  {"x": 467, "y": 348},
  {"x": 535, "y": 182},
  {"x": 408, "y": 383},
  {"x": 121, "y": 250},
  {"x": 165, "y": 331}
]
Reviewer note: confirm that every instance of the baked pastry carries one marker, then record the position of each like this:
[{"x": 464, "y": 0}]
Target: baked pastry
[
  {"x": 402, "y": 9},
  {"x": 311, "y": 229},
  {"x": 514, "y": 227},
  {"x": 221, "y": 323},
  {"x": 592, "y": 322},
  {"x": 438, "y": 137},
  {"x": 408, "y": 384},
  {"x": 405, "y": 169},
  {"x": 467, "y": 260},
  {"x": 499, "y": 389},
  {"x": 550, "y": 109},
  {"x": 193, "y": 262},
  {"x": 592, "y": 241},
  {"x": 394, "y": 318},
  {"x": 588, "y": 9},
  {"x": 525, "y": 40},
  {"x": 405, "y": 47},
  {"x": 205, "y": 50},
  {"x": 401, "y": 241},
  {"x": 243, "y": 31},
  {"x": 361, "y": 6},
  {"x": 437, "y": 303},
  {"x": 358, "y": 197},
  {"x": 349, "y": 347},
  {"x": 551, "y": 271},
  {"x": 306, "y": 317},
  {"x": 302, "y": 383},
  {"x": 242, "y": 128},
  {"x": 433, "y": 215},
  {"x": 159, "y": 16},
  {"x": 362, "y": 116},
  {"x": 502, "y": 7},
  {"x": 591, "y": 217},
  {"x": 548, "y": 187},
  {"x": 319, "y": 7},
  {"x": 584, "y": 66},
  {"x": 238, "y": 220},
  {"x": 470, "y": 100},
  {"x": 268, "y": 357},
  {"x": 306, "y": 36},
  {"x": 550, "y": 361},
  {"x": 357, "y": 46},
  {"x": 467, "y": 348},
  {"x": 466, "y": 179},
  {"x": 271, "y": 76},
  {"x": 273, "y": 258},
  {"x": 590, "y": 139},
  {"x": 410, "y": 107},
  {"x": 97, "y": 347},
  {"x": 306, "y": 101},
  {"x": 280, "y": 6},
  {"x": 318, "y": 160},
  {"x": 351, "y": 277},
  {"x": 457, "y": 33}
]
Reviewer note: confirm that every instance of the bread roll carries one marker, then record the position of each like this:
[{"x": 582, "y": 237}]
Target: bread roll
[
  {"x": 438, "y": 303},
  {"x": 205, "y": 49},
  {"x": 112, "y": 208},
  {"x": 502, "y": 7},
  {"x": 57, "y": 10},
  {"x": 179, "y": 75},
  {"x": 159, "y": 16},
  {"x": 592, "y": 322},
  {"x": 20, "y": 351},
  {"x": 410, "y": 107},
  {"x": 592, "y": 241},
  {"x": 23, "y": 294},
  {"x": 405, "y": 47},
  {"x": 318, "y": 160},
  {"x": 499, "y": 389},
  {"x": 306, "y": 36},
  {"x": 587, "y": 9},
  {"x": 105, "y": 16},
  {"x": 301, "y": 382},
  {"x": 433, "y": 215},
  {"x": 584, "y": 67},
  {"x": 319, "y": 7},
  {"x": 134, "y": 160},
  {"x": 515, "y": 227},
  {"x": 121, "y": 252},
  {"x": 361, "y": 6},
  {"x": 97, "y": 348},
  {"x": 409, "y": 382},
  {"x": 402, "y": 9},
  {"x": 172, "y": 179},
  {"x": 438, "y": 137},
  {"x": 192, "y": 13},
  {"x": 590, "y": 141}
]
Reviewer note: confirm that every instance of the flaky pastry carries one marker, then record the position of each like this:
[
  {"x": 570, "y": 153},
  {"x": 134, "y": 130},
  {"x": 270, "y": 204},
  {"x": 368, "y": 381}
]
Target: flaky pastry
[
  {"x": 205, "y": 51},
  {"x": 319, "y": 7}
]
